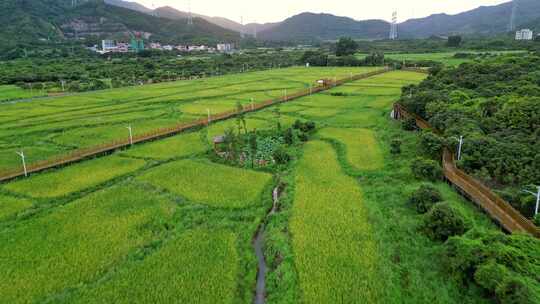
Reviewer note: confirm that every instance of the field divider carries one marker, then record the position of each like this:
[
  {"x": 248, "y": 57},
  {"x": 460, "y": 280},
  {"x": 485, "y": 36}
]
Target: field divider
[
  {"x": 84, "y": 153},
  {"x": 498, "y": 209}
]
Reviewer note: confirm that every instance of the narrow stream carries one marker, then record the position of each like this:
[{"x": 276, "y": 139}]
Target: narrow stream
[{"x": 258, "y": 244}]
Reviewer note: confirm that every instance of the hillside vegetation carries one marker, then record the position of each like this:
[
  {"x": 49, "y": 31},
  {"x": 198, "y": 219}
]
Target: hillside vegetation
[
  {"x": 53, "y": 20},
  {"x": 495, "y": 105}
]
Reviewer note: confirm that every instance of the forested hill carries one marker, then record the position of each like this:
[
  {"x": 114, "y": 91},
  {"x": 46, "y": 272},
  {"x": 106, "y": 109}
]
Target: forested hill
[
  {"x": 27, "y": 20},
  {"x": 310, "y": 26},
  {"x": 483, "y": 20}
]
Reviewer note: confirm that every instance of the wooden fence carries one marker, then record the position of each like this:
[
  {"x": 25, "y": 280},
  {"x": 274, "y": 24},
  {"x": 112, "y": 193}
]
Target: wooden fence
[
  {"x": 80, "y": 154},
  {"x": 499, "y": 210}
]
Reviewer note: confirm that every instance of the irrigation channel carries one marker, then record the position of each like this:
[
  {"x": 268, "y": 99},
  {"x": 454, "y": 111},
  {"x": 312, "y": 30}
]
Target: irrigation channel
[
  {"x": 81, "y": 154},
  {"x": 498, "y": 209},
  {"x": 258, "y": 245}
]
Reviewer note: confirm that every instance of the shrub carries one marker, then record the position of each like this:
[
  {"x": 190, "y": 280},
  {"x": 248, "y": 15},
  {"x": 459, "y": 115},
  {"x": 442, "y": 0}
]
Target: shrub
[
  {"x": 395, "y": 146},
  {"x": 409, "y": 124},
  {"x": 306, "y": 127},
  {"x": 289, "y": 137},
  {"x": 427, "y": 169},
  {"x": 536, "y": 220},
  {"x": 424, "y": 198},
  {"x": 281, "y": 156},
  {"x": 431, "y": 144},
  {"x": 303, "y": 136},
  {"x": 503, "y": 265},
  {"x": 442, "y": 222}
]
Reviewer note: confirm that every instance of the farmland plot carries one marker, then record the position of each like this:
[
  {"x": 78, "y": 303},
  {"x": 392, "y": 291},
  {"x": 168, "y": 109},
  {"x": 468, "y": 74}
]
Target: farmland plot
[
  {"x": 334, "y": 253},
  {"x": 210, "y": 184},
  {"x": 196, "y": 267},
  {"x": 78, "y": 242},
  {"x": 54, "y": 126},
  {"x": 74, "y": 178}
]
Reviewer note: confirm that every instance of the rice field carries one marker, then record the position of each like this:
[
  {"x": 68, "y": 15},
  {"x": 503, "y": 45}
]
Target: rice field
[
  {"x": 54, "y": 126},
  {"x": 77, "y": 243},
  {"x": 74, "y": 178},
  {"x": 335, "y": 255},
  {"x": 12, "y": 92},
  {"x": 161, "y": 223},
  {"x": 159, "y": 277},
  {"x": 210, "y": 184},
  {"x": 362, "y": 149},
  {"x": 446, "y": 58}
]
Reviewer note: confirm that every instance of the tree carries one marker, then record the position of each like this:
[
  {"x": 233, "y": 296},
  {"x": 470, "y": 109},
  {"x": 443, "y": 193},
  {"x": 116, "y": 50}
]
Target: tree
[
  {"x": 454, "y": 41},
  {"x": 346, "y": 46},
  {"x": 314, "y": 58}
]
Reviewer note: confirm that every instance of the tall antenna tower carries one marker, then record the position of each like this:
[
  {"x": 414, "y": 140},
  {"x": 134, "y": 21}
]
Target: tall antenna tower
[
  {"x": 393, "y": 27},
  {"x": 242, "y": 33},
  {"x": 190, "y": 15},
  {"x": 512, "y": 25}
]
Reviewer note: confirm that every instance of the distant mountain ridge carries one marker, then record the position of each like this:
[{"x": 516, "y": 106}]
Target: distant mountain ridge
[
  {"x": 56, "y": 19},
  {"x": 174, "y": 14}
]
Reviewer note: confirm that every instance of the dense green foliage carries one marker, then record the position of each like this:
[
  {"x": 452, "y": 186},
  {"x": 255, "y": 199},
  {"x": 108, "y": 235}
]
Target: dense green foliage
[
  {"x": 425, "y": 197},
  {"x": 426, "y": 169},
  {"x": 346, "y": 46},
  {"x": 495, "y": 105},
  {"x": 93, "y": 72},
  {"x": 92, "y": 19},
  {"x": 443, "y": 221},
  {"x": 506, "y": 267}
]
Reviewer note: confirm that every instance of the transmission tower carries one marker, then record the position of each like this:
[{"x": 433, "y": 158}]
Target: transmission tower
[
  {"x": 512, "y": 25},
  {"x": 393, "y": 27},
  {"x": 242, "y": 33},
  {"x": 190, "y": 15}
]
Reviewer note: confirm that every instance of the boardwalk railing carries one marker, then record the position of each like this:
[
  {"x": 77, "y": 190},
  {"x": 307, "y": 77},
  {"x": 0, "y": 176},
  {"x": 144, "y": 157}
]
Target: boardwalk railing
[
  {"x": 80, "y": 154},
  {"x": 501, "y": 211}
]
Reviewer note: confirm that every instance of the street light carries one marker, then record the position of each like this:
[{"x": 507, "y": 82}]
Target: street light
[
  {"x": 130, "y": 135},
  {"x": 460, "y": 146},
  {"x": 537, "y": 195},
  {"x": 21, "y": 154}
]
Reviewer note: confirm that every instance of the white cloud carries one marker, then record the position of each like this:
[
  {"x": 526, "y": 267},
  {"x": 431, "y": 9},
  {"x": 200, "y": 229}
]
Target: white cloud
[{"x": 277, "y": 10}]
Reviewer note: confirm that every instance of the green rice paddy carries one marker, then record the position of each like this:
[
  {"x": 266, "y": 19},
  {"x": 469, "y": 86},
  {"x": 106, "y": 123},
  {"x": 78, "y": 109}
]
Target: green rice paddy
[
  {"x": 54, "y": 126},
  {"x": 161, "y": 223}
]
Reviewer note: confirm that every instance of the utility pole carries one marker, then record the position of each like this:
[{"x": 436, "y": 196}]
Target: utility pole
[
  {"x": 252, "y": 105},
  {"x": 537, "y": 195},
  {"x": 21, "y": 154},
  {"x": 286, "y": 98},
  {"x": 209, "y": 117},
  {"x": 460, "y": 147},
  {"x": 130, "y": 135},
  {"x": 63, "y": 82}
]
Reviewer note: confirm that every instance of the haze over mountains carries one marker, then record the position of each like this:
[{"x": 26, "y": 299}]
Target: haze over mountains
[
  {"x": 486, "y": 20},
  {"x": 49, "y": 19}
]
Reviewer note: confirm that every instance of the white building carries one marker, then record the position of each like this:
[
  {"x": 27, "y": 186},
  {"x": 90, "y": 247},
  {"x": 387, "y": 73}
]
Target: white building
[
  {"x": 524, "y": 34},
  {"x": 108, "y": 46},
  {"x": 225, "y": 47}
]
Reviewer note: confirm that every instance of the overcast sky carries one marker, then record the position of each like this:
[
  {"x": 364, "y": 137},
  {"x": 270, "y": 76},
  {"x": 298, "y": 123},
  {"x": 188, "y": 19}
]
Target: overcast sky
[{"x": 277, "y": 10}]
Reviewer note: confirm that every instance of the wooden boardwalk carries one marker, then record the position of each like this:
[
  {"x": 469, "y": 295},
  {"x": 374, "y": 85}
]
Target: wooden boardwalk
[
  {"x": 499, "y": 210},
  {"x": 81, "y": 154}
]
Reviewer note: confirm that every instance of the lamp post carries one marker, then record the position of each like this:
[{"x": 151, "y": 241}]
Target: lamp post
[
  {"x": 130, "y": 134},
  {"x": 537, "y": 195},
  {"x": 21, "y": 154}
]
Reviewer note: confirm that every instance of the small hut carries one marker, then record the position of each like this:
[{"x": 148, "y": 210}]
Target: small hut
[
  {"x": 219, "y": 141},
  {"x": 324, "y": 82}
]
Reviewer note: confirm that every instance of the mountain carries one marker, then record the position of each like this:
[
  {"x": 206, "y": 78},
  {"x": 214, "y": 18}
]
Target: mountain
[
  {"x": 484, "y": 20},
  {"x": 310, "y": 26},
  {"x": 174, "y": 14},
  {"x": 28, "y": 20},
  {"x": 130, "y": 5}
]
